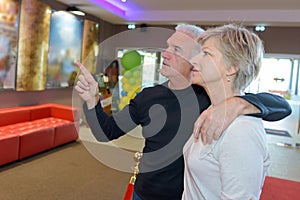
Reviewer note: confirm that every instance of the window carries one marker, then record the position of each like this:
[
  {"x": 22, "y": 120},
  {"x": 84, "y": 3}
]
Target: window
[
  {"x": 127, "y": 88},
  {"x": 279, "y": 74},
  {"x": 151, "y": 65}
]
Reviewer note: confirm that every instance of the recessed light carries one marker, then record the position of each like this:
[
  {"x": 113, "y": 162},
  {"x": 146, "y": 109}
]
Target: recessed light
[
  {"x": 131, "y": 26},
  {"x": 75, "y": 11},
  {"x": 260, "y": 28}
]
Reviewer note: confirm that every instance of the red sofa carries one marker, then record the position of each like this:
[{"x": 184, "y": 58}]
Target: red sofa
[{"x": 27, "y": 130}]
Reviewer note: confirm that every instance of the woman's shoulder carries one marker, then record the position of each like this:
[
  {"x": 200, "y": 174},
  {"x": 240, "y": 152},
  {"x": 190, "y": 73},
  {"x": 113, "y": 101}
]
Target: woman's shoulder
[
  {"x": 244, "y": 127},
  {"x": 244, "y": 122}
]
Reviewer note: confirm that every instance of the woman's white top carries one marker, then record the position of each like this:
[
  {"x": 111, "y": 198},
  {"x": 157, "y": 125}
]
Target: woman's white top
[{"x": 233, "y": 167}]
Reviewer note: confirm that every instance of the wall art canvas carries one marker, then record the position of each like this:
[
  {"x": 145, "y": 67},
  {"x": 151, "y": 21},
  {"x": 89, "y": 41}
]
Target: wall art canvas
[
  {"x": 8, "y": 42},
  {"x": 65, "y": 46}
]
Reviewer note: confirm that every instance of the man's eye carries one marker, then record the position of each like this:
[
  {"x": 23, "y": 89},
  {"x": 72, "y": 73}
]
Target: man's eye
[{"x": 176, "y": 49}]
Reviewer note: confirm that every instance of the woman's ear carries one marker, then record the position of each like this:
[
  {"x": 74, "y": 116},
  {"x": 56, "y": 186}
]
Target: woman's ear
[{"x": 232, "y": 70}]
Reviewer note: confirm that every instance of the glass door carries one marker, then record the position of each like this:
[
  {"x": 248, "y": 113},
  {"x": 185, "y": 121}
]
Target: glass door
[{"x": 279, "y": 74}]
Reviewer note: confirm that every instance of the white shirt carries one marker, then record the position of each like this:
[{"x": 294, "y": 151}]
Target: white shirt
[{"x": 233, "y": 167}]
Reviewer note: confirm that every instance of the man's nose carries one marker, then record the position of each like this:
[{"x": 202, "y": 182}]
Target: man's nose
[{"x": 166, "y": 54}]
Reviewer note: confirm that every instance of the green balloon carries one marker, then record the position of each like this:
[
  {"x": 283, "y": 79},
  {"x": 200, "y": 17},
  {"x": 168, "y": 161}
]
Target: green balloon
[
  {"x": 127, "y": 74},
  {"x": 131, "y": 59},
  {"x": 136, "y": 74}
]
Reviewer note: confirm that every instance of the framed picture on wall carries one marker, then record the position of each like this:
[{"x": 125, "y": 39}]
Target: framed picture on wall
[
  {"x": 8, "y": 42},
  {"x": 65, "y": 44}
]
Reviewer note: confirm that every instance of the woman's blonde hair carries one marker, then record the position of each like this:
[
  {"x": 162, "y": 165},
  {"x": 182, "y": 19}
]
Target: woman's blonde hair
[{"x": 241, "y": 48}]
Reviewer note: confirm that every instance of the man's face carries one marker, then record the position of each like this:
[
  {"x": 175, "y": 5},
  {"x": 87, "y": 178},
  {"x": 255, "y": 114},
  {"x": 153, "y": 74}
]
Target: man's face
[{"x": 181, "y": 48}]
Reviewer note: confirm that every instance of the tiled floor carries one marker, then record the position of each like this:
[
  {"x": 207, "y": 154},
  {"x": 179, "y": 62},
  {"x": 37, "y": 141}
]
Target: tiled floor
[{"x": 285, "y": 156}]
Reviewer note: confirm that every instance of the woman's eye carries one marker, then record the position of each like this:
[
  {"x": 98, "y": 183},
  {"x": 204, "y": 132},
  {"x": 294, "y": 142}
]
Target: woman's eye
[{"x": 205, "y": 53}]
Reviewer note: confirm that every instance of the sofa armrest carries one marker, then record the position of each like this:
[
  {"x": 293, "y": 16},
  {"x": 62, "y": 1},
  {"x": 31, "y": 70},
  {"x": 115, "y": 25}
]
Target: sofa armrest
[{"x": 65, "y": 112}]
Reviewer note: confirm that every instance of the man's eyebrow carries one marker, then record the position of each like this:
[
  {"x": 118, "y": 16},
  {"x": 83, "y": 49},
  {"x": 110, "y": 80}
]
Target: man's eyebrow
[{"x": 178, "y": 47}]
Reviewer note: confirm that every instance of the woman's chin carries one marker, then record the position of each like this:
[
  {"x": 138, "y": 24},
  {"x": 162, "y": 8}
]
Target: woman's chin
[{"x": 196, "y": 81}]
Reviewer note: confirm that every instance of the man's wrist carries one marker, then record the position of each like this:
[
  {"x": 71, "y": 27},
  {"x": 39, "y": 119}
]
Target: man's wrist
[
  {"x": 93, "y": 102},
  {"x": 244, "y": 107}
]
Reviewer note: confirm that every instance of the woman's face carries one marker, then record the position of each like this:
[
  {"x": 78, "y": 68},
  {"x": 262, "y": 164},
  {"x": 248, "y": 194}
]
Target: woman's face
[{"x": 208, "y": 65}]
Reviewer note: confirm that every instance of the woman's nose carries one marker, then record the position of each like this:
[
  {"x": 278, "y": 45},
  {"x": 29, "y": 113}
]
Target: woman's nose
[{"x": 194, "y": 62}]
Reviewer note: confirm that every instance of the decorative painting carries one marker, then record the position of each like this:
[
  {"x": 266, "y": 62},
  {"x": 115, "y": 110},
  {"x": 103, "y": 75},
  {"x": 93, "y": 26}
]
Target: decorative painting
[
  {"x": 65, "y": 44},
  {"x": 8, "y": 42}
]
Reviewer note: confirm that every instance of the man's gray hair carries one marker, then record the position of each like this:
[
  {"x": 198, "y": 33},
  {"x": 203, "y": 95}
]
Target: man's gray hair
[{"x": 191, "y": 30}]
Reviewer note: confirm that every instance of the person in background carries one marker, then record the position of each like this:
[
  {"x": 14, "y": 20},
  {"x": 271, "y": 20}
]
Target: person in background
[
  {"x": 112, "y": 72},
  {"x": 235, "y": 166},
  {"x": 167, "y": 113}
]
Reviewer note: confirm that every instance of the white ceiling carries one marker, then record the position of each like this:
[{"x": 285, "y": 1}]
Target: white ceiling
[{"x": 204, "y": 12}]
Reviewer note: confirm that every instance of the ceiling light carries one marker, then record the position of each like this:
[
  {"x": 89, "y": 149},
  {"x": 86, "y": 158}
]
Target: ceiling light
[
  {"x": 75, "y": 11},
  {"x": 124, "y": 1},
  {"x": 131, "y": 26},
  {"x": 260, "y": 28}
]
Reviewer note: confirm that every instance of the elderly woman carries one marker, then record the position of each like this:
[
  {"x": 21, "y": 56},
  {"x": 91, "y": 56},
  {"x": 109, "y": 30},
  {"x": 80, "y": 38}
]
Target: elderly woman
[{"x": 234, "y": 167}]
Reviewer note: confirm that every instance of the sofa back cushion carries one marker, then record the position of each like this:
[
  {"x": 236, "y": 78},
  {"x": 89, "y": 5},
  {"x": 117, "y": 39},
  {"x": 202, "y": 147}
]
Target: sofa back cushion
[
  {"x": 14, "y": 115},
  {"x": 30, "y": 113},
  {"x": 65, "y": 112},
  {"x": 40, "y": 112}
]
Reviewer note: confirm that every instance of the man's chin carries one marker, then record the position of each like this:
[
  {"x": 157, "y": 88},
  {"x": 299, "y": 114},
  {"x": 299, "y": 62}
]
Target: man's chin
[{"x": 164, "y": 71}]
